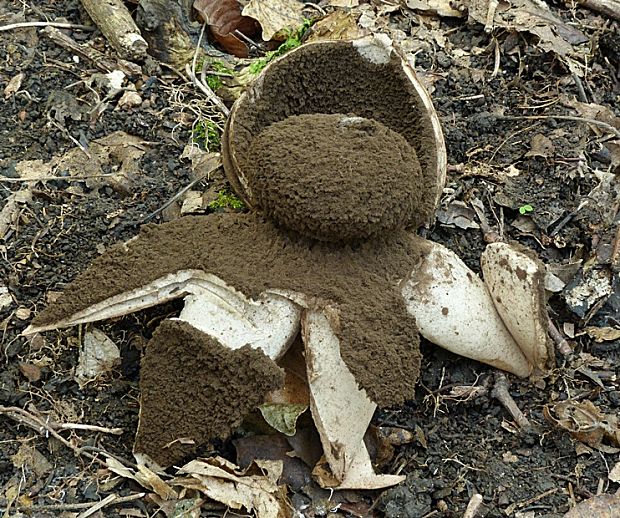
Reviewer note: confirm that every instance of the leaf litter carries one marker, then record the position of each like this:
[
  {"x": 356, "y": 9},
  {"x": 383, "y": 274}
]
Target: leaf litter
[{"x": 541, "y": 235}]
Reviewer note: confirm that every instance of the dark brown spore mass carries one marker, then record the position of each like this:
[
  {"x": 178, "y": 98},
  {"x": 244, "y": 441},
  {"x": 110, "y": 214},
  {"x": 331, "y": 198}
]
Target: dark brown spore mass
[
  {"x": 334, "y": 78},
  {"x": 193, "y": 387},
  {"x": 378, "y": 338},
  {"x": 334, "y": 177}
]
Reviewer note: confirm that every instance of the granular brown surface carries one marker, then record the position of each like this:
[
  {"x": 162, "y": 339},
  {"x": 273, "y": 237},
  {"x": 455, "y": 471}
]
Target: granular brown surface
[
  {"x": 334, "y": 79},
  {"x": 334, "y": 177},
  {"x": 193, "y": 387},
  {"x": 379, "y": 339}
]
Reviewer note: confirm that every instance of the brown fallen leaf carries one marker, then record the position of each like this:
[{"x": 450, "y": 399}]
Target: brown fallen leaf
[
  {"x": 30, "y": 371},
  {"x": 601, "y": 506},
  {"x": 586, "y": 423},
  {"x": 541, "y": 145},
  {"x": 225, "y": 21},
  {"x": 603, "y": 334},
  {"x": 14, "y": 85},
  {"x": 295, "y": 474}
]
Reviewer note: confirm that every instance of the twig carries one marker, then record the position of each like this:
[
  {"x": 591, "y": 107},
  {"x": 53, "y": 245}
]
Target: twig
[
  {"x": 98, "y": 59},
  {"x": 609, "y": 8},
  {"x": 77, "y": 507},
  {"x": 595, "y": 122},
  {"x": 50, "y": 178},
  {"x": 561, "y": 343},
  {"x": 22, "y": 416},
  {"x": 60, "y": 25},
  {"x": 89, "y": 427},
  {"x": 201, "y": 84},
  {"x": 472, "y": 506},
  {"x": 500, "y": 392},
  {"x": 490, "y": 17},
  {"x": 581, "y": 93},
  {"x": 181, "y": 192},
  {"x": 116, "y": 24}
]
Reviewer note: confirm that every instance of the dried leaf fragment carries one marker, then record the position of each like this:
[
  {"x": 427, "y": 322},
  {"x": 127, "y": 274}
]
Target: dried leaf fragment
[
  {"x": 14, "y": 85},
  {"x": 144, "y": 476},
  {"x": 224, "y": 20},
  {"x": 98, "y": 355},
  {"x": 586, "y": 423},
  {"x": 603, "y": 334},
  {"x": 224, "y": 482},
  {"x": 601, "y": 506},
  {"x": 275, "y": 16}
]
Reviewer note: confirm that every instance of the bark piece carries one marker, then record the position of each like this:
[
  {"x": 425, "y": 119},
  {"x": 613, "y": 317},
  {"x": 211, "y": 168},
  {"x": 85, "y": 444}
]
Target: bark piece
[{"x": 116, "y": 24}]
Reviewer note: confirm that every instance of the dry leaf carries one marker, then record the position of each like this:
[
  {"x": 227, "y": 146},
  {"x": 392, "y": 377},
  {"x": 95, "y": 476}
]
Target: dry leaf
[
  {"x": 192, "y": 202},
  {"x": 144, "y": 476},
  {"x": 23, "y": 313},
  {"x": 275, "y": 16},
  {"x": 14, "y": 85},
  {"x": 28, "y": 457},
  {"x": 614, "y": 474},
  {"x": 533, "y": 17},
  {"x": 30, "y": 371},
  {"x": 98, "y": 355},
  {"x": 224, "y": 19},
  {"x": 440, "y": 7},
  {"x": 5, "y": 297},
  {"x": 586, "y": 423},
  {"x": 601, "y": 506},
  {"x": 224, "y": 482},
  {"x": 541, "y": 146},
  {"x": 344, "y": 3},
  {"x": 339, "y": 25},
  {"x": 603, "y": 334}
]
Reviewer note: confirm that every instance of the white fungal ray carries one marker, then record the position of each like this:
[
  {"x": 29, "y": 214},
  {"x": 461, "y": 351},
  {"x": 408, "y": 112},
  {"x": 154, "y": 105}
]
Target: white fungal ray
[
  {"x": 516, "y": 282},
  {"x": 340, "y": 409},
  {"x": 454, "y": 309},
  {"x": 269, "y": 323}
]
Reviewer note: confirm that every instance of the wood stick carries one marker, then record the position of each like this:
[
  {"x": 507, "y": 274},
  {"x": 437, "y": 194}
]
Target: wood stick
[
  {"x": 25, "y": 25},
  {"x": 117, "y": 25},
  {"x": 501, "y": 393},
  {"x": 609, "y": 8},
  {"x": 98, "y": 59}
]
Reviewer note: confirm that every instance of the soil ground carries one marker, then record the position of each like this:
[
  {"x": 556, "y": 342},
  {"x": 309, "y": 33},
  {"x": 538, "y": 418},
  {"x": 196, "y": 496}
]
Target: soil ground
[{"x": 464, "y": 445}]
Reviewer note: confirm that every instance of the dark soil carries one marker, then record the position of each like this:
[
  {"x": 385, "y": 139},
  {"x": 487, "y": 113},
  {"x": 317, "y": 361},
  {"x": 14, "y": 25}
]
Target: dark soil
[
  {"x": 464, "y": 444},
  {"x": 334, "y": 177}
]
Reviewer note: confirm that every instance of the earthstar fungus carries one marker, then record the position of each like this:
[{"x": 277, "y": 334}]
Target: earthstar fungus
[{"x": 329, "y": 252}]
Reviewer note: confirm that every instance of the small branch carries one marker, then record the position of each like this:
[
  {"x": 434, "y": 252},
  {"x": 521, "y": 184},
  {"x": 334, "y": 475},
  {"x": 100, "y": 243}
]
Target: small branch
[
  {"x": 594, "y": 122},
  {"x": 44, "y": 428},
  {"x": 501, "y": 393},
  {"x": 561, "y": 343},
  {"x": 88, "y": 427},
  {"x": 472, "y": 506},
  {"x": 78, "y": 507},
  {"x": 23, "y": 25},
  {"x": 203, "y": 176},
  {"x": 98, "y": 59},
  {"x": 201, "y": 83},
  {"x": 118, "y": 27},
  {"x": 610, "y": 8},
  {"x": 50, "y": 178}
]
